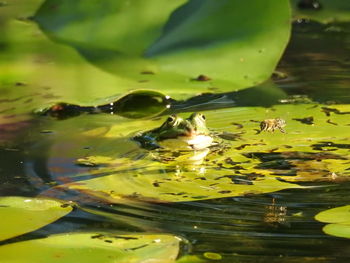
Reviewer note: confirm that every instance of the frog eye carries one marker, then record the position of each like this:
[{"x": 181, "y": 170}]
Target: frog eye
[
  {"x": 202, "y": 116},
  {"x": 171, "y": 119}
]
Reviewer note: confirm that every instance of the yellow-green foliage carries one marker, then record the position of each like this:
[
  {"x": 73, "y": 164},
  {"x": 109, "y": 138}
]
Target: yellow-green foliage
[
  {"x": 94, "y": 247},
  {"x": 314, "y": 148},
  {"x": 19, "y": 215}
]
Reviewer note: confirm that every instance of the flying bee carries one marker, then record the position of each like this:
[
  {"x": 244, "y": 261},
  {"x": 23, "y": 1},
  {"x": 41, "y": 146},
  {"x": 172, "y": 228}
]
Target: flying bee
[{"x": 271, "y": 125}]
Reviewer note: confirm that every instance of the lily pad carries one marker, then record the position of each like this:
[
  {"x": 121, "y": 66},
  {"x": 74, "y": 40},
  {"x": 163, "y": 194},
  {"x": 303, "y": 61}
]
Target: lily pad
[
  {"x": 157, "y": 186},
  {"x": 94, "y": 247},
  {"x": 173, "y": 43},
  {"x": 19, "y": 215},
  {"x": 245, "y": 160},
  {"x": 338, "y": 215},
  {"x": 339, "y": 219},
  {"x": 338, "y": 230},
  {"x": 191, "y": 259}
]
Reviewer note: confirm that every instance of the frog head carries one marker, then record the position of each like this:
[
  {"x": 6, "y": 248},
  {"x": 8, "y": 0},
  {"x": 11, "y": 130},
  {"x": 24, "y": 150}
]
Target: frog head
[
  {"x": 175, "y": 127},
  {"x": 178, "y": 133}
]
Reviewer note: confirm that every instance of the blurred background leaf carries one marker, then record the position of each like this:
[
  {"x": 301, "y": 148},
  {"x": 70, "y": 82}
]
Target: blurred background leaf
[{"x": 154, "y": 47}]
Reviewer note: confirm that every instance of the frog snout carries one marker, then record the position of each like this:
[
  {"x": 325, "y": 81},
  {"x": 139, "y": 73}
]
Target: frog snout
[{"x": 190, "y": 131}]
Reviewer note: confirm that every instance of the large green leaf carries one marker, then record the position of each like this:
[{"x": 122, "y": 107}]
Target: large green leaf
[
  {"x": 38, "y": 72},
  {"x": 214, "y": 38},
  {"x": 156, "y": 185},
  {"x": 324, "y": 11},
  {"x": 93, "y": 247},
  {"x": 339, "y": 219},
  {"x": 19, "y": 215}
]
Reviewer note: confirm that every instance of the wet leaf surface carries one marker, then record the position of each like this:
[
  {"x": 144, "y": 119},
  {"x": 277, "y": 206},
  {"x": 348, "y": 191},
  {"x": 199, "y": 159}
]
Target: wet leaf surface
[
  {"x": 252, "y": 163},
  {"x": 19, "y": 215},
  {"x": 94, "y": 247}
]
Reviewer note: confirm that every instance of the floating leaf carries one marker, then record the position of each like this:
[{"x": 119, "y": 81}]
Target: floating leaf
[
  {"x": 339, "y": 218},
  {"x": 212, "y": 256},
  {"x": 245, "y": 161},
  {"x": 19, "y": 215},
  {"x": 338, "y": 230},
  {"x": 161, "y": 187},
  {"x": 173, "y": 43},
  {"x": 191, "y": 259},
  {"x": 338, "y": 215},
  {"x": 94, "y": 247}
]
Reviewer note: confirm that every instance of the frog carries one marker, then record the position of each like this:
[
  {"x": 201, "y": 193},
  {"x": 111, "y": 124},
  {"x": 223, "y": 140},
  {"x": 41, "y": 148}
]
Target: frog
[{"x": 177, "y": 133}]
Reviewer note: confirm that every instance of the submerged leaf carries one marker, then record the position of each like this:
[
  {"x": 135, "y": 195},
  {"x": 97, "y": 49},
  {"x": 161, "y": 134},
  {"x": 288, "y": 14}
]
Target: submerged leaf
[
  {"x": 136, "y": 104},
  {"x": 94, "y": 247},
  {"x": 19, "y": 215},
  {"x": 141, "y": 104}
]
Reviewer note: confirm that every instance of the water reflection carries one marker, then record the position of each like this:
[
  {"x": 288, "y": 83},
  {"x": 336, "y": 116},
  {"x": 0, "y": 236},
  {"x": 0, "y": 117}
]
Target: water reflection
[{"x": 317, "y": 62}]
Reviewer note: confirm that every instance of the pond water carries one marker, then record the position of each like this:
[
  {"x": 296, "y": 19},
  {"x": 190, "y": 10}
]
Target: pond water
[{"x": 268, "y": 186}]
